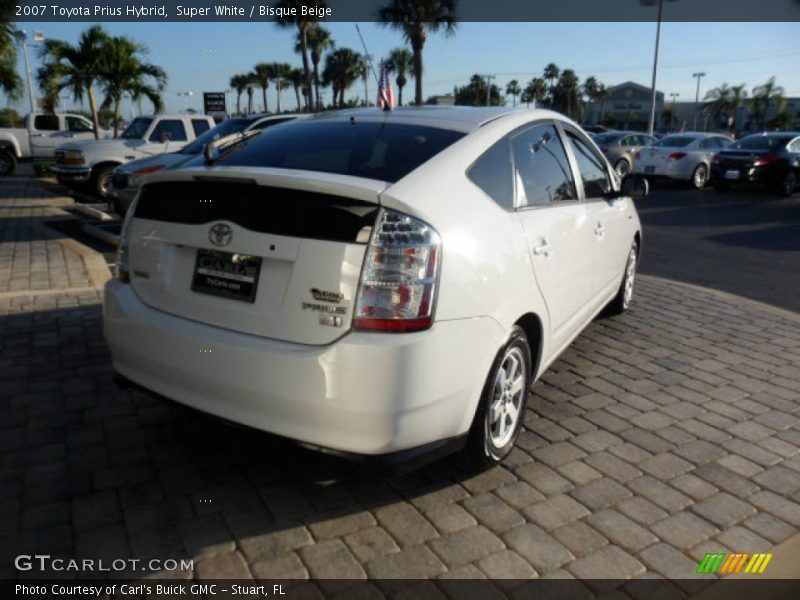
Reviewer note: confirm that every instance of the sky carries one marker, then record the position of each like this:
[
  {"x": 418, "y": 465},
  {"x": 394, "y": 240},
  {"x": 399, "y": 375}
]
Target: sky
[{"x": 202, "y": 57}]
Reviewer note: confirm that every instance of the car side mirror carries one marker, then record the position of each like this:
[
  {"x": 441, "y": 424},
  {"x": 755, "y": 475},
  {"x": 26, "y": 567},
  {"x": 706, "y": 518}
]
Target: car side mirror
[
  {"x": 634, "y": 186},
  {"x": 165, "y": 137}
]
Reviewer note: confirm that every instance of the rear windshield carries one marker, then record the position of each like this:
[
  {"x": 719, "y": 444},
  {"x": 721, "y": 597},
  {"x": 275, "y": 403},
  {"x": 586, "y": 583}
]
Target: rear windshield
[
  {"x": 675, "y": 141},
  {"x": 761, "y": 142},
  {"x": 137, "y": 129},
  {"x": 375, "y": 150},
  {"x": 225, "y": 128}
]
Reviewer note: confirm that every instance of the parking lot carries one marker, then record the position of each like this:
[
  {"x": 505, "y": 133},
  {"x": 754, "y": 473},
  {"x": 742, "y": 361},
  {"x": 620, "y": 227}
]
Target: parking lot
[{"x": 659, "y": 436}]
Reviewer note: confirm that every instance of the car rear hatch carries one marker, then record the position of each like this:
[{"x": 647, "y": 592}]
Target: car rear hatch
[
  {"x": 740, "y": 159},
  {"x": 277, "y": 254}
]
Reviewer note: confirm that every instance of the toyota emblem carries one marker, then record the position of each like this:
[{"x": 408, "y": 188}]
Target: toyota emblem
[{"x": 220, "y": 234}]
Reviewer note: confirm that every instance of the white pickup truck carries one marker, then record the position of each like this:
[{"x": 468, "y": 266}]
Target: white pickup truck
[
  {"x": 79, "y": 164},
  {"x": 39, "y": 136}
]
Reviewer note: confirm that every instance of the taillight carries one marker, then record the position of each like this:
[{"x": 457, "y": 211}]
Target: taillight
[
  {"x": 123, "y": 272},
  {"x": 765, "y": 160},
  {"x": 676, "y": 156},
  {"x": 401, "y": 270}
]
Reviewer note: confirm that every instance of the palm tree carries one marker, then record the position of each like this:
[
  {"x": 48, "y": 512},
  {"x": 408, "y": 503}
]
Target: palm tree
[
  {"x": 10, "y": 81},
  {"x": 602, "y": 94},
  {"x": 566, "y": 95},
  {"x": 551, "y": 73},
  {"x": 717, "y": 101},
  {"x": 342, "y": 69},
  {"x": 261, "y": 76},
  {"x": 320, "y": 40},
  {"x": 401, "y": 61},
  {"x": 415, "y": 18},
  {"x": 250, "y": 91},
  {"x": 766, "y": 94},
  {"x": 535, "y": 91},
  {"x": 590, "y": 88},
  {"x": 298, "y": 78},
  {"x": 737, "y": 100},
  {"x": 124, "y": 73},
  {"x": 282, "y": 76},
  {"x": 513, "y": 90},
  {"x": 239, "y": 83},
  {"x": 302, "y": 23},
  {"x": 76, "y": 68}
]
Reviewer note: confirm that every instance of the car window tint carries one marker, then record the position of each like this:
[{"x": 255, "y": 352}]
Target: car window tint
[
  {"x": 709, "y": 143},
  {"x": 591, "y": 168},
  {"x": 541, "y": 166},
  {"x": 76, "y": 124},
  {"x": 270, "y": 122},
  {"x": 200, "y": 126},
  {"x": 173, "y": 127},
  {"x": 361, "y": 148},
  {"x": 674, "y": 141},
  {"x": 724, "y": 142},
  {"x": 492, "y": 173},
  {"x": 46, "y": 123},
  {"x": 646, "y": 140}
]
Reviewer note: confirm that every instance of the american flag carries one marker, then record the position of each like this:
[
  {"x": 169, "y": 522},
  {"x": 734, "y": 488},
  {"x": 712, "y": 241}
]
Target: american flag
[{"x": 385, "y": 91}]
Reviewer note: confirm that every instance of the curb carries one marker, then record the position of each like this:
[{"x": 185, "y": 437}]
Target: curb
[{"x": 732, "y": 298}]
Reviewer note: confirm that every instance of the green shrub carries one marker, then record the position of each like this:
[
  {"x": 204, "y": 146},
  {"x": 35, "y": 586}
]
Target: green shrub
[{"x": 42, "y": 168}]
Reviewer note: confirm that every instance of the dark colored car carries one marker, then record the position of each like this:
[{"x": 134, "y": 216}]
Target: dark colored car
[
  {"x": 771, "y": 159},
  {"x": 621, "y": 146}
]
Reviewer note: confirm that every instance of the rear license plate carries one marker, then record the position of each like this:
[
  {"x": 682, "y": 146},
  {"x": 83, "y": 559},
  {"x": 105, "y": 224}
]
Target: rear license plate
[
  {"x": 731, "y": 174},
  {"x": 224, "y": 274},
  {"x": 649, "y": 169}
]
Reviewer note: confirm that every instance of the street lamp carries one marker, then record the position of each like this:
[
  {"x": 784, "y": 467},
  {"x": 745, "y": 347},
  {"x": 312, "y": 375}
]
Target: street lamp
[
  {"x": 673, "y": 95},
  {"x": 655, "y": 58},
  {"x": 185, "y": 95},
  {"x": 697, "y": 97},
  {"x": 38, "y": 37}
]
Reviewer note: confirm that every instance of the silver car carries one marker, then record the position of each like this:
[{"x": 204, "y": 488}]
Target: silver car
[
  {"x": 621, "y": 146},
  {"x": 685, "y": 156}
]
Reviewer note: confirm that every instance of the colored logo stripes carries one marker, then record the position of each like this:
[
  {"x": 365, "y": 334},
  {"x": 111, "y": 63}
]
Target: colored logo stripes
[{"x": 722, "y": 563}]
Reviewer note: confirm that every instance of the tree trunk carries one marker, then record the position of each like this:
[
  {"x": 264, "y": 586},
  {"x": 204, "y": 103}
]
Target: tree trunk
[
  {"x": 239, "y": 103},
  {"x": 316, "y": 84},
  {"x": 95, "y": 118},
  {"x": 417, "y": 43},
  {"x": 399, "y": 95},
  {"x": 306, "y": 69},
  {"x": 297, "y": 96},
  {"x": 117, "y": 107},
  {"x": 264, "y": 97},
  {"x": 278, "y": 90}
]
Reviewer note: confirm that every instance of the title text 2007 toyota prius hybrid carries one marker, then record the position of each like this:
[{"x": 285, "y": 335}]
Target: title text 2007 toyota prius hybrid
[{"x": 377, "y": 283}]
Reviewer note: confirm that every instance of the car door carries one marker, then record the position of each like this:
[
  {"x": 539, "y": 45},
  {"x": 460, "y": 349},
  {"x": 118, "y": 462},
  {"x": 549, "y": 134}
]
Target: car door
[
  {"x": 607, "y": 215},
  {"x": 168, "y": 135},
  {"x": 556, "y": 227},
  {"x": 45, "y": 136}
]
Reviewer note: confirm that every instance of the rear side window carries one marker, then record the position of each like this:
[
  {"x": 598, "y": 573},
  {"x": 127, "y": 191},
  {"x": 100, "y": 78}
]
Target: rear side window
[
  {"x": 270, "y": 122},
  {"x": 492, "y": 173},
  {"x": 795, "y": 146},
  {"x": 200, "y": 126},
  {"x": 375, "y": 150},
  {"x": 542, "y": 171},
  {"x": 710, "y": 143},
  {"x": 171, "y": 127},
  {"x": 592, "y": 170},
  {"x": 46, "y": 123},
  {"x": 674, "y": 141},
  {"x": 76, "y": 124}
]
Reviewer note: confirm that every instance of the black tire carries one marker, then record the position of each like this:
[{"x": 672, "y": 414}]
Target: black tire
[
  {"x": 622, "y": 301},
  {"x": 481, "y": 451},
  {"x": 101, "y": 180},
  {"x": 8, "y": 162},
  {"x": 700, "y": 177},
  {"x": 788, "y": 184}
]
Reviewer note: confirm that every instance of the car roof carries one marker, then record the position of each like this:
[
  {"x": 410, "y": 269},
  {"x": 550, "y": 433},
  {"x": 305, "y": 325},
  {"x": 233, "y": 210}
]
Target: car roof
[
  {"x": 783, "y": 134},
  {"x": 457, "y": 118}
]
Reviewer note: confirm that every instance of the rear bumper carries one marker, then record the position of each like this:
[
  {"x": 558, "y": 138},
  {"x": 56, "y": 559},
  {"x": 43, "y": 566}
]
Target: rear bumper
[
  {"x": 71, "y": 174},
  {"x": 764, "y": 175},
  {"x": 672, "y": 170},
  {"x": 367, "y": 393}
]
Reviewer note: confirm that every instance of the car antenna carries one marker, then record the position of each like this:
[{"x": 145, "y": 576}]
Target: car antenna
[{"x": 368, "y": 57}]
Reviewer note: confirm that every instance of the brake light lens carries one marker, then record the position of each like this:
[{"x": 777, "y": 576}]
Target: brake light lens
[
  {"x": 400, "y": 275},
  {"x": 765, "y": 160},
  {"x": 676, "y": 156}
]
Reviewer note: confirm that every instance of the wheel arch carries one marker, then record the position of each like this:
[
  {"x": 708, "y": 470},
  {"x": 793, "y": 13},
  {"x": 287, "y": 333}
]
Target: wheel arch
[{"x": 531, "y": 324}]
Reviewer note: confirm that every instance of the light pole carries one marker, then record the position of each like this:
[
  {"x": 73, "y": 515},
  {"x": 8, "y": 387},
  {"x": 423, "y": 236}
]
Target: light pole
[
  {"x": 489, "y": 79},
  {"x": 655, "y": 59},
  {"x": 367, "y": 59},
  {"x": 185, "y": 95},
  {"x": 38, "y": 36},
  {"x": 697, "y": 97}
]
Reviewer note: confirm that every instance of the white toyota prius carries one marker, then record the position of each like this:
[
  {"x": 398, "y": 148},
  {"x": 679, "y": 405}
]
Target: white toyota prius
[{"x": 374, "y": 283}]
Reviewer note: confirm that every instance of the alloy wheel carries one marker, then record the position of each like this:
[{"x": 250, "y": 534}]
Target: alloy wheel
[
  {"x": 507, "y": 399},
  {"x": 700, "y": 176},
  {"x": 622, "y": 168},
  {"x": 630, "y": 277}
]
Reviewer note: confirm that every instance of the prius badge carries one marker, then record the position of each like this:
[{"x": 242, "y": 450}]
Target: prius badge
[{"x": 220, "y": 234}]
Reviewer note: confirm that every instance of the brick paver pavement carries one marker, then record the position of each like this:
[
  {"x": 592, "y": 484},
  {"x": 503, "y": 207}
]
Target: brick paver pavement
[{"x": 658, "y": 436}]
